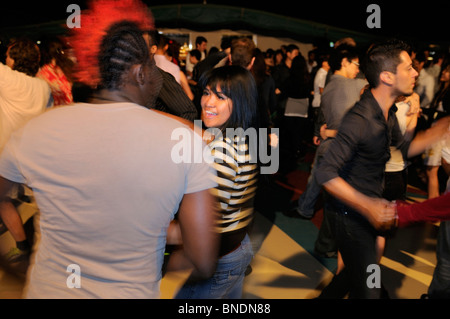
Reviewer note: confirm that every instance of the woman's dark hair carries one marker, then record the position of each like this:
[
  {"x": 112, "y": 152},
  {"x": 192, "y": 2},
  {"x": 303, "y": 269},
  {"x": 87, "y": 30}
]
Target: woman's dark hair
[
  {"x": 26, "y": 56},
  {"x": 238, "y": 84},
  {"x": 297, "y": 85},
  {"x": 344, "y": 51},
  {"x": 122, "y": 47}
]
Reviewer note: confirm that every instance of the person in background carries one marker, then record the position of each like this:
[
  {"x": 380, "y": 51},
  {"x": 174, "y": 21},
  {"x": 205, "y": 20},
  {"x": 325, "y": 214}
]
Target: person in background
[
  {"x": 56, "y": 69},
  {"x": 23, "y": 96},
  {"x": 439, "y": 107},
  {"x": 172, "y": 98},
  {"x": 201, "y": 44},
  {"x": 425, "y": 82}
]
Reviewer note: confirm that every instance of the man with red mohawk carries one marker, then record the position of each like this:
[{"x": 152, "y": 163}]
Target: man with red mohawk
[{"x": 102, "y": 173}]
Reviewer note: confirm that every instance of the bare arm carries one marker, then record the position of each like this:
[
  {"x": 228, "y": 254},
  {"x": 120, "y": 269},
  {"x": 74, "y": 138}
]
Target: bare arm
[
  {"x": 412, "y": 115},
  {"x": 440, "y": 130},
  {"x": 196, "y": 222},
  {"x": 185, "y": 85}
]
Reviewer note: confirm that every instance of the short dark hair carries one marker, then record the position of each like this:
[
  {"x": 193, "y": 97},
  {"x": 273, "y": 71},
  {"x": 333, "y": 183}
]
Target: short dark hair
[
  {"x": 26, "y": 56},
  {"x": 200, "y": 40},
  {"x": 238, "y": 84},
  {"x": 122, "y": 47},
  {"x": 344, "y": 51},
  {"x": 291, "y": 47},
  {"x": 383, "y": 57},
  {"x": 196, "y": 53},
  {"x": 242, "y": 51}
]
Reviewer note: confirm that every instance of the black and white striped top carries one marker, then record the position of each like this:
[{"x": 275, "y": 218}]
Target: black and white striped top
[{"x": 237, "y": 175}]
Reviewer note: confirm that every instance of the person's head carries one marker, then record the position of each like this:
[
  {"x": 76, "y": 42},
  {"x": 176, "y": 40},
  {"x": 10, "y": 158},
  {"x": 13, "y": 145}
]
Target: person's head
[
  {"x": 291, "y": 52},
  {"x": 195, "y": 56},
  {"x": 389, "y": 64},
  {"x": 229, "y": 98},
  {"x": 243, "y": 52},
  {"x": 299, "y": 70},
  {"x": 201, "y": 43},
  {"x": 125, "y": 62},
  {"x": 420, "y": 60},
  {"x": 322, "y": 59},
  {"x": 97, "y": 19},
  {"x": 162, "y": 42},
  {"x": 445, "y": 75},
  {"x": 23, "y": 55},
  {"x": 151, "y": 37},
  {"x": 345, "y": 60},
  {"x": 278, "y": 56}
]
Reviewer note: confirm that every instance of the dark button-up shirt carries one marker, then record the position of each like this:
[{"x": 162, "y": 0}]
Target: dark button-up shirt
[{"x": 360, "y": 150}]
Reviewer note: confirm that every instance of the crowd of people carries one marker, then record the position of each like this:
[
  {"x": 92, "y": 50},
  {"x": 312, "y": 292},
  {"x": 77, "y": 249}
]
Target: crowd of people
[{"x": 87, "y": 130}]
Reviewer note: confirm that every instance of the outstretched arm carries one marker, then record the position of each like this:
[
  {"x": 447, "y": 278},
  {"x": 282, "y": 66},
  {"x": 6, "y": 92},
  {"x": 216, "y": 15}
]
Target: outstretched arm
[
  {"x": 440, "y": 130},
  {"x": 432, "y": 210},
  {"x": 378, "y": 211}
]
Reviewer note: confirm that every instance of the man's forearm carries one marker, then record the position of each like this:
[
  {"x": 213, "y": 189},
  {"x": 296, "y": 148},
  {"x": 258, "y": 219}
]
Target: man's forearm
[{"x": 377, "y": 211}]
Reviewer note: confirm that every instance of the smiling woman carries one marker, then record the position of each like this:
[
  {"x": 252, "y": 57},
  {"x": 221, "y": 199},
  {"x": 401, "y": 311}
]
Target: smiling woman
[
  {"x": 217, "y": 107},
  {"x": 229, "y": 102}
]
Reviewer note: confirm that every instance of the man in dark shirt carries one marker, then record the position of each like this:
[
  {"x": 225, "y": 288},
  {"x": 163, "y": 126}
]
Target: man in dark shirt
[
  {"x": 352, "y": 169},
  {"x": 171, "y": 99}
]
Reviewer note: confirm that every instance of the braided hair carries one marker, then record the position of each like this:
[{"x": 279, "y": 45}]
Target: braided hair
[
  {"x": 97, "y": 20},
  {"x": 121, "y": 48}
]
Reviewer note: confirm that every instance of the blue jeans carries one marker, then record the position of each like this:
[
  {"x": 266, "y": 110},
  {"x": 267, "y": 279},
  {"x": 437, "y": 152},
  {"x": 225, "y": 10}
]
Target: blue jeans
[
  {"x": 307, "y": 200},
  {"x": 228, "y": 279}
]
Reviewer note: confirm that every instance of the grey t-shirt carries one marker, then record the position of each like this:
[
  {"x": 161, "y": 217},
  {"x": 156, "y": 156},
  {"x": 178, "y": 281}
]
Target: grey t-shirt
[{"x": 339, "y": 95}]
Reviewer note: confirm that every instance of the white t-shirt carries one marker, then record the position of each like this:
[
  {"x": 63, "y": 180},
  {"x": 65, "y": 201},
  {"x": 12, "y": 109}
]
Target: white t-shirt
[
  {"x": 396, "y": 162},
  {"x": 22, "y": 97},
  {"x": 319, "y": 82},
  {"x": 107, "y": 188}
]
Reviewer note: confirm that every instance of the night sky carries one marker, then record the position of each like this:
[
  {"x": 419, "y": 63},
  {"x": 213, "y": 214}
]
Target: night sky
[{"x": 428, "y": 20}]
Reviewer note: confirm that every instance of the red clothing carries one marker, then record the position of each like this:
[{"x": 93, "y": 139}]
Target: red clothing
[
  {"x": 58, "y": 82},
  {"x": 432, "y": 210}
]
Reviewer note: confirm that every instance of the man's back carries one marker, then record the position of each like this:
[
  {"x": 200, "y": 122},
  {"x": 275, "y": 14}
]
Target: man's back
[
  {"x": 107, "y": 187},
  {"x": 339, "y": 95}
]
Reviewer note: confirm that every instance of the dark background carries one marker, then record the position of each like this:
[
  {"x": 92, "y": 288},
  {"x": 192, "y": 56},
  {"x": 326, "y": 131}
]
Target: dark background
[{"x": 424, "y": 20}]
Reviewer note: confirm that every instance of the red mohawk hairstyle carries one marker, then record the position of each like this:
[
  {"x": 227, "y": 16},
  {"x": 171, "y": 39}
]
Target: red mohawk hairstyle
[{"x": 95, "y": 22}]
